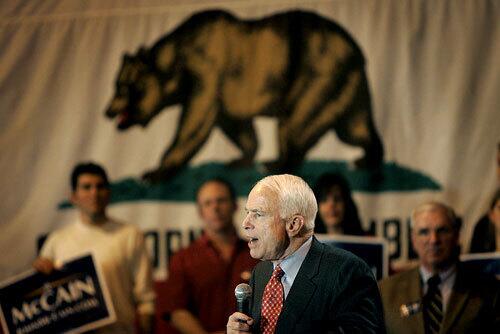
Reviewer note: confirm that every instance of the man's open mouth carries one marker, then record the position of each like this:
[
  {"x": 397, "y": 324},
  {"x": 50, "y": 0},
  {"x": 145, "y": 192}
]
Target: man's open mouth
[{"x": 252, "y": 241}]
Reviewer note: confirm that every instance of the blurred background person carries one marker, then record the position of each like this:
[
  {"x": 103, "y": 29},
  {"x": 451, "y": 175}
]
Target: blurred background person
[
  {"x": 337, "y": 212},
  {"x": 118, "y": 249},
  {"x": 441, "y": 295},
  {"x": 199, "y": 294},
  {"x": 486, "y": 236}
]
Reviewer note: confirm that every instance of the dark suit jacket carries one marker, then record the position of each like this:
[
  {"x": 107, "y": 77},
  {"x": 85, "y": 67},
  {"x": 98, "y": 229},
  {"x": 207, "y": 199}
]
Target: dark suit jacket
[
  {"x": 333, "y": 292},
  {"x": 474, "y": 305}
]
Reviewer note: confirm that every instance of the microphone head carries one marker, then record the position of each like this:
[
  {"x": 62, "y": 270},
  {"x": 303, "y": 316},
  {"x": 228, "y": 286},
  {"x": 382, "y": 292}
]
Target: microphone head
[{"x": 243, "y": 291}]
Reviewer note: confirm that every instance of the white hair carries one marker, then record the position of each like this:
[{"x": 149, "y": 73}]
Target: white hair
[
  {"x": 295, "y": 197},
  {"x": 436, "y": 206}
]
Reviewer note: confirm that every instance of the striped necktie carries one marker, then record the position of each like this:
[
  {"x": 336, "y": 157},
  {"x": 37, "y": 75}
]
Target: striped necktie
[
  {"x": 272, "y": 302},
  {"x": 433, "y": 306}
]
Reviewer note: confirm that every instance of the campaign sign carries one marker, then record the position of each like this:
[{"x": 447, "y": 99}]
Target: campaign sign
[
  {"x": 372, "y": 250},
  {"x": 488, "y": 263},
  {"x": 72, "y": 299}
]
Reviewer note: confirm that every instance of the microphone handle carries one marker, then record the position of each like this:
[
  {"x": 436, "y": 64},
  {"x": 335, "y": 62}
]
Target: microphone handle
[{"x": 243, "y": 306}]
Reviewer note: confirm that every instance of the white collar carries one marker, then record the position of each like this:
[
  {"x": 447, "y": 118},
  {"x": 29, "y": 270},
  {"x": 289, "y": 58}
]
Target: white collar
[
  {"x": 443, "y": 275},
  {"x": 291, "y": 264}
]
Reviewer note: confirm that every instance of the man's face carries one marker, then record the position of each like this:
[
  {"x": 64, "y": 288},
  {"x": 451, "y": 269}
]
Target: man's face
[
  {"x": 263, "y": 226},
  {"x": 91, "y": 195},
  {"x": 434, "y": 239},
  {"x": 215, "y": 206}
]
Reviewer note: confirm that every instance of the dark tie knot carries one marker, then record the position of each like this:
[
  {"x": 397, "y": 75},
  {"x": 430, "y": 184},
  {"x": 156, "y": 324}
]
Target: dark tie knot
[
  {"x": 278, "y": 272},
  {"x": 434, "y": 281}
]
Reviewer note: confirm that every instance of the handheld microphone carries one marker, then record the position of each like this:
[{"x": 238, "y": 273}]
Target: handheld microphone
[{"x": 243, "y": 294}]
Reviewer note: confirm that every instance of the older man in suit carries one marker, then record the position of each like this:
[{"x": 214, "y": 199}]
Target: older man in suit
[
  {"x": 441, "y": 295},
  {"x": 302, "y": 285}
]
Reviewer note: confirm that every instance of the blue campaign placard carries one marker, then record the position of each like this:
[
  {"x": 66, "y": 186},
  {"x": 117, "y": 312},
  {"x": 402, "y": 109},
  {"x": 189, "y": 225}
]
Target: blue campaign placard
[
  {"x": 73, "y": 298},
  {"x": 487, "y": 263},
  {"x": 371, "y": 249}
]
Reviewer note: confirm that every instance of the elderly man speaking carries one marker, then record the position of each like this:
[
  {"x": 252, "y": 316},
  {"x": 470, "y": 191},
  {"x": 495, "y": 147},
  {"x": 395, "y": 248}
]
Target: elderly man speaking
[{"x": 302, "y": 285}]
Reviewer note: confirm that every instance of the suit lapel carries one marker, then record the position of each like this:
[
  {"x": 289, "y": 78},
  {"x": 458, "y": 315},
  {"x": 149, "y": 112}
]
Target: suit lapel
[
  {"x": 302, "y": 289},
  {"x": 261, "y": 280},
  {"x": 458, "y": 298},
  {"x": 414, "y": 289}
]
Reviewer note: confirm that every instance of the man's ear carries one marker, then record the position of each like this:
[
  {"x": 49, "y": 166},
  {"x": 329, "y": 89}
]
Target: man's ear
[
  {"x": 72, "y": 198},
  {"x": 294, "y": 225},
  {"x": 413, "y": 238}
]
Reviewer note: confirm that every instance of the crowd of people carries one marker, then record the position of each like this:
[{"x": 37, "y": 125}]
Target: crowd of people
[{"x": 299, "y": 284}]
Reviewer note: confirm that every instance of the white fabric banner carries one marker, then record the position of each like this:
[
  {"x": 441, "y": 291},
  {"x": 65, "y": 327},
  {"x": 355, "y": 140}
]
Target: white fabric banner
[{"x": 433, "y": 75}]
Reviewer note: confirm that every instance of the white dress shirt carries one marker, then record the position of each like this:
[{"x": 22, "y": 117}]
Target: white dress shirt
[
  {"x": 447, "y": 281},
  {"x": 291, "y": 265}
]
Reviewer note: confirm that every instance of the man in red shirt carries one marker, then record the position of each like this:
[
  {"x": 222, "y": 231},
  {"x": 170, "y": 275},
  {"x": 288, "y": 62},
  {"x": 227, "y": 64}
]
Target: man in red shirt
[{"x": 202, "y": 277}]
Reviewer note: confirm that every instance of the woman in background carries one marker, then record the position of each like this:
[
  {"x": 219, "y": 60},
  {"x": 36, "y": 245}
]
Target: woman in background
[
  {"x": 486, "y": 236},
  {"x": 337, "y": 212}
]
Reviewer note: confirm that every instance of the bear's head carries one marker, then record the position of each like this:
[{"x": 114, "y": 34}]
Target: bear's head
[{"x": 138, "y": 93}]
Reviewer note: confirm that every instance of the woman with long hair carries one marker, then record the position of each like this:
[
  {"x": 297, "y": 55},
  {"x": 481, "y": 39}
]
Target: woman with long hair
[
  {"x": 337, "y": 212},
  {"x": 486, "y": 236}
]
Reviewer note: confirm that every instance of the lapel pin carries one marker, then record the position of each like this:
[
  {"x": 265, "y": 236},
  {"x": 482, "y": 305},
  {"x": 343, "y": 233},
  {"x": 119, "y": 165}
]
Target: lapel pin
[{"x": 407, "y": 310}]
